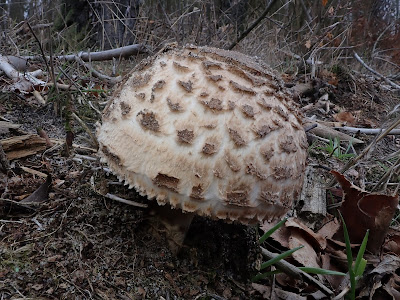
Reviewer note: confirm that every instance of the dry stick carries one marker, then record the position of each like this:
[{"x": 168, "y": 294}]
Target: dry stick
[
  {"x": 42, "y": 51},
  {"x": 252, "y": 26},
  {"x": 83, "y": 124},
  {"x": 126, "y": 201},
  {"x": 62, "y": 86},
  {"x": 375, "y": 72},
  {"x": 309, "y": 20},
  {"x": 112, "y": 80},
  {"x": 72, "y": 81},
  {"x": 53, "y": 75},
  {"x": 380, "y": 36},
  {"x": 366, "y": 150},
  {"x": 369, "y": 131},
  {"x": 125, "y": 51},
  {"x": 115, "y": 197},
  {"x": 292, "y": 270},
  {"x": 394, "y": 169},
  {"x": 171, "y": 26}
]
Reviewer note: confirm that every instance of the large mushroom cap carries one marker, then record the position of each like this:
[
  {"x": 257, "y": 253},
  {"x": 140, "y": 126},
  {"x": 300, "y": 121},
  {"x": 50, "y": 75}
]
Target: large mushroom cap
[{"x": 208, "y": 131}]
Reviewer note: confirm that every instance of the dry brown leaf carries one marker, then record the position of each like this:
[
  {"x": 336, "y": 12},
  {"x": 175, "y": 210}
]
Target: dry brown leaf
[
  {"x": 306, "y": 255},
  {"x": 264, "y": 290},
  {"x": 281, "y": 235},
  {"x": 141, "y": 292},
  {"x": 308, "y": 44},
  {"x": 282, "y": 294},
  {"x": 329, "y": 228},
  {"x": 315, "y": 239},
  {"x": 385, "y": 279},
  {"x": 41, "y": 194},
  {"x": 329, "y": 264},
  {"x": 345, "y": 117},
  {"x": 392, "y": 243},
  {"x": 362, "y": 210}
]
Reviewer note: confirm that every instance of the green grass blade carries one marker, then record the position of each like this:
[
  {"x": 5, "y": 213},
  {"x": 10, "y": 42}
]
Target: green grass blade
[
  {"x": 360, "y": 255},
  {"x": 321, "y": 271},
  {"x": 279, "y": 257},
  {"x": 347, "y": 241},
  {"x": 271, "y": 231},
  {"x": 264, "y": 275},
  {"x": 361, "y": 267},
  {"x": 352, "y": 276}
]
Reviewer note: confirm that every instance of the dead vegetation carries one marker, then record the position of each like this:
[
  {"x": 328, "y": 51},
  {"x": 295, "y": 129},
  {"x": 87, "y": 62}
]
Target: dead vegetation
[{"x": 69, "y": 238}]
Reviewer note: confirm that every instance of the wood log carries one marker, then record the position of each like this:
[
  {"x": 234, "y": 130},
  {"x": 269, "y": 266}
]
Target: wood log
[
  {"x": 23, "y": 145},
  {"x": 330, "y": 133},
  {"x": 313, "y": 196}
]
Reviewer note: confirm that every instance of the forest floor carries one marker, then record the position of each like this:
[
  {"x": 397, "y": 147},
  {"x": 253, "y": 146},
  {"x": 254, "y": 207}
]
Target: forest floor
[{"x": 77, "y": 244}]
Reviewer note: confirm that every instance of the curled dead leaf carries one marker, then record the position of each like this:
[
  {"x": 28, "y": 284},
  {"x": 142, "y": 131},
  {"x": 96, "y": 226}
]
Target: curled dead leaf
[{"x": 362, "y": 210}]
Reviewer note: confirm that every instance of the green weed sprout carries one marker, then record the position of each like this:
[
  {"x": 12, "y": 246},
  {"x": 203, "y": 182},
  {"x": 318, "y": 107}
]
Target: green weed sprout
[
  {"x": 285, "y": 254},
  {"x": 333, "y": 148},
  {"x": 356, "y": 270}
]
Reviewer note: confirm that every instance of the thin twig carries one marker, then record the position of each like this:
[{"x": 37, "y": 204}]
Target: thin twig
[
  {"x": 309, "y": 20},
  {"x": 369, "y": 131},
  {"x": 126, "y": 201},
  {"x": 295, "y": 272},
  {"x": 366, "y": 150},
  {"x": 387, "y": 175},
  {"x": 89, "y": 132},
  {"x": 41, "y": 49},
  {"x": 375, "y": 72},
  {"x": 112, "y": 80},
  {"x": 252, "y": 26}
]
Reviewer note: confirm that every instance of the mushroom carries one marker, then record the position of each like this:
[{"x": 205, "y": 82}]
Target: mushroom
[{"x": 208, "y": 131}]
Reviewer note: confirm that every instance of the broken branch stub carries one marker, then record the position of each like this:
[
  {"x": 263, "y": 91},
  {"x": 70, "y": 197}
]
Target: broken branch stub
[{"x": 208, "y": 131}]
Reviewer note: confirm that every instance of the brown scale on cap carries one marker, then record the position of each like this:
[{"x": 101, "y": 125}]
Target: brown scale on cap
[
  {"x": 185, "y": 136},
  {"x": 209, "y": 131}
]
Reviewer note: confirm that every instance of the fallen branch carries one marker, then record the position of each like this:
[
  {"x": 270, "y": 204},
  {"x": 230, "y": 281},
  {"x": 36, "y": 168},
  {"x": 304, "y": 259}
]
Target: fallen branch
[
  {"x": 330, "y": 133},
  {"x": 369, "y": 131},
  {"x": 125, "y": 51},
  {"x": 375, "y": 72},
  {"x": 22, "y": 82},
  {"x": 23, "y": 145}
]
